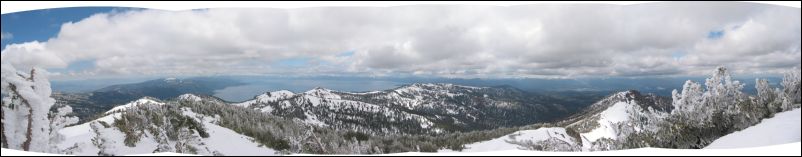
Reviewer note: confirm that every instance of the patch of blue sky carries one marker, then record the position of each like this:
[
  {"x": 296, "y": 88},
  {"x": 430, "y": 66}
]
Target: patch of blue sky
[
  {"x": 678, "y": 54},
  {"x": 43, "y": 24},
  {"x": 715, "y": 34}
]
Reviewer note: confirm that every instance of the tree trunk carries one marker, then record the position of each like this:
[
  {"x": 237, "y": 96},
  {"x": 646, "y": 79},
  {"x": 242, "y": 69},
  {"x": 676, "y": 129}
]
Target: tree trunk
[
  {"x": 26, "y": 146},
  {"x": 3, "y": 125},
  {"x": 29, "y": 132}
]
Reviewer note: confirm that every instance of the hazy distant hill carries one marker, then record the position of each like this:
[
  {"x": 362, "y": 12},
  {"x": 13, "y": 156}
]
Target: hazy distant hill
[{"x": 90, "y": 103}]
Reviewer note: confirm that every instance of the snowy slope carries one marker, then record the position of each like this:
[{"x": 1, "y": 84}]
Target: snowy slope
[
  {"x": 791, "y": 149},
  {"x": 781, "y": 129},
  {"x": 226, "y": 141},
  {"x": 609, "y": 118},
  {"x": 81, "y": 135},
  {"x": 617, "y": 113},
  {"x": 502, "y": 144},
  {"x": 229, "y": 143},
  {"x": 81, "y": 130},
  {"x": 222, "y": 140}
]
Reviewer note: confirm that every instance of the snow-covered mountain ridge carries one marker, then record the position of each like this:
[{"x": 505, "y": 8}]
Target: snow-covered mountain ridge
[{"x": 418, "y": 108}]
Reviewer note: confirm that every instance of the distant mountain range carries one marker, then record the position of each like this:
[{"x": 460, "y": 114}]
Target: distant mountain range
[
  {"x": 89, "y": 104},
  {"x": 415, "y": 108},
  {"x": 411, "y": 109}
]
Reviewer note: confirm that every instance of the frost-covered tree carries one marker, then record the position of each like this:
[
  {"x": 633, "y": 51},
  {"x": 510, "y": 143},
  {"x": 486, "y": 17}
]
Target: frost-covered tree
[
  {"x": 59, "y": 120},
  {"x": 697, "y": 105},
  {"x": 791, "y": 85},
  {"x": 723, "y": 92},
  {"x": 702, "y": 115},
  {"x": 689, "y": 101},
  {"x": 772, "y": 99},
  {"x": 26, "y": 104},
  {"x": 764, "y": 93}
]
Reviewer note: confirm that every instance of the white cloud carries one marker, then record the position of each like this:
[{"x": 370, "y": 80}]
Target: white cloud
[
  {"x": 30, "y": 54},
  {"x": 767, "y": 40},
  {"x": 6, "y": 35},
  {"x": 547, "y": 40}
]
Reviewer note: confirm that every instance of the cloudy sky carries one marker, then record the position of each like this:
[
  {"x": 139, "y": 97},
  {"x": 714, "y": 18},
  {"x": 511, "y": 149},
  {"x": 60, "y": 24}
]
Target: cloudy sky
[{"x": 537, "y": 41}]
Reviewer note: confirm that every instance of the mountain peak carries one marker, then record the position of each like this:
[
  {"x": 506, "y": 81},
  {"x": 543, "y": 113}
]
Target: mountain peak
[
  {"x": 274, "y": 95},
  {"x": 267, "y": 97},
  {"x": 141, "y": 101},
  {"x": 189, "y": 97},
  {"x": 318, "y": 88},
  {"x": 322, "y": 93},
  {"x": 281, "y": 92},
  {"x": 626, "y": 96},
  {"x": 634, "y": 97}
]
